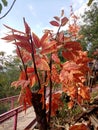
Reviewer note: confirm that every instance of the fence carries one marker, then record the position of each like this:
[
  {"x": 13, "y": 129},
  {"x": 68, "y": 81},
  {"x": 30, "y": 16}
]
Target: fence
[
  {"x": 8, "y": 103},
  {"x": 14, "y": 113}
]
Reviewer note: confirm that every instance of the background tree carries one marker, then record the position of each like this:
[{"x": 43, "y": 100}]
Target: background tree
[
  {"x": 3, "y": 3},
  {"x": 8, "y": 73},
  {"x": 89, "y": 29}
]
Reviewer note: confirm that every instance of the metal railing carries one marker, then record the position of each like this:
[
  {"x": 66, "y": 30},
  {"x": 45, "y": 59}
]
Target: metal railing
[
  {"x": 14, "y": 113},
  {"x": 9, "y": 101}
]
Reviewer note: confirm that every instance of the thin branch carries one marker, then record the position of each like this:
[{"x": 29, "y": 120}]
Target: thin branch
[
  {"x": 35, "y": 69},
  {"x": 21, "y": 59},
  {"x": 50, "y": 94},
  {"x": 8, "y": 10}
]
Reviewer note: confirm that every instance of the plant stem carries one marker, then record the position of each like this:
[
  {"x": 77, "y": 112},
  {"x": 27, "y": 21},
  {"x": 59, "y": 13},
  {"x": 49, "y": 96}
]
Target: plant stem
[
  {"x": 21, "y": 59},
  {"x": 33, "y": 58},
  {"x": 50, "y": 94}
]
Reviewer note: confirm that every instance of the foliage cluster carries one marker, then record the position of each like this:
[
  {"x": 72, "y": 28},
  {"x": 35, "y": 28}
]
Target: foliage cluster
[{"x": 42, "y": 66}]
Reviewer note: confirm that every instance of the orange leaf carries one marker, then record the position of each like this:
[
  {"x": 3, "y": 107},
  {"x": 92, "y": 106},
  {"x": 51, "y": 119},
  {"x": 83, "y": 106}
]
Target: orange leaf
[
  {"x": 42, "y": 64},
  {"x": 32, "y": 80},
  {"x": 22, "y": 83},
  {"x": 64, "y": 21},
  {"x": 22, "y": 75},
  {"x": 52, "y": 49},
  {"x": 70, "y": 65},
  {"x": 54, "y": 23},
  {"x": 79, "y": 127},
  {"x": 70, "y": 105},
  {"x": 84, "y": 92}
]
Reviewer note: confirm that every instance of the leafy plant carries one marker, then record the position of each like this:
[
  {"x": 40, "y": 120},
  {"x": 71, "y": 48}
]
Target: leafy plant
[{"x": 41, "y": 66}]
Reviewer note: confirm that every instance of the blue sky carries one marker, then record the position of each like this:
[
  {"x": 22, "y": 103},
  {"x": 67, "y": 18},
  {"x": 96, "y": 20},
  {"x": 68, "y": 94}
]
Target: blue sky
[{"x": 38, "y": 14}]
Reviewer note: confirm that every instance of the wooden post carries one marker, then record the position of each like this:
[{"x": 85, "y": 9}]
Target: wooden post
[{"x": 15, "y": 120}]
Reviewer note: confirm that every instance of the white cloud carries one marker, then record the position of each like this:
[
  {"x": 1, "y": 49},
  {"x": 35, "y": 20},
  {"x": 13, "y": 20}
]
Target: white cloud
[{"x": 31, "y": 9}]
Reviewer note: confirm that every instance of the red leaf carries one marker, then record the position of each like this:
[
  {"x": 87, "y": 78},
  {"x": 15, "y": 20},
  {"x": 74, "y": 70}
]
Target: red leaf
[
  {"x": 55, "y": 58},
  {"x": 27, "y": 28},
  {"x": 73, "y": 45},
  {"x": 57, "y": 18},
  {"x": 20, "y": 38},
  {"x": 24, "y": 45},
  {"x": 36, "y": 40},
  {"x": 68, "y": 55},
  {"x": 14, "y": 30},
  {"x": 30, "y": 70},
  {"x": 54, "y": 23},
  {"x": 64, "y": 21},
  {"x": 44, "y": 39}
]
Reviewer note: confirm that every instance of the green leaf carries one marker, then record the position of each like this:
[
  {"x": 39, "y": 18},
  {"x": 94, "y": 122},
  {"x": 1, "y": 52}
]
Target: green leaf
[
  {"x": 90, "y": 2},
  {"x": 0, "y": 7},
  {"x": 5, "y": 3}
]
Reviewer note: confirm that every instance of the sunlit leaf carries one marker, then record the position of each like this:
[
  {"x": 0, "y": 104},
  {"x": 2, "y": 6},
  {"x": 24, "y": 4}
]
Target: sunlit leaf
[
  {"x": 42, "y": 64},
  {"x": 22, "y": 83}
]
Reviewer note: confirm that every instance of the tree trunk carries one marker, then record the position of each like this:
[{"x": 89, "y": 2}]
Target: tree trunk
[{"x": 40, "y": 113}]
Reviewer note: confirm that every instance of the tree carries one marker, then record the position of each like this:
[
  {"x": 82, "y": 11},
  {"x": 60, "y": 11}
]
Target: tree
[
  {"x": 42, "y": 67},
  {"x": 9, "y": 72},
  {"x": 89, "y": 29}
]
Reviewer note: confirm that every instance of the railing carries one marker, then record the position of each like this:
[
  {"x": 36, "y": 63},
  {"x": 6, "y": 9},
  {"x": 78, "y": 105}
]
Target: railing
[
  {"x": 13, "y": 112},
  {"x": 9, "y": 102}
]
